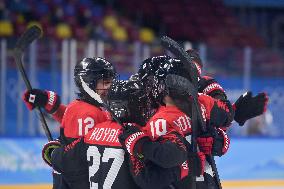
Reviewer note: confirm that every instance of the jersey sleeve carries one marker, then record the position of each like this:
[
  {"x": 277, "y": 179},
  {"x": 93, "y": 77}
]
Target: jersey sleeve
[
  {"x": 150, "y": 175},
  {"x": 168, "y": 151},
  {"x": 70, "y": 161},
  {"x": 58, "y": 115},
  {"x": 217, "y": 113},
  {"x": 166, "y": 148},
  {"x": 209, "y": 86},
  {"x": 224, "y": 111}
]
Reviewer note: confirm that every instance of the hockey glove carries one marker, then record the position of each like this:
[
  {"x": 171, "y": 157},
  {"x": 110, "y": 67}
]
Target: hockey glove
[
  {"x": 48, "y": 149},
  {"x": 205, "y": 144},
  {"x": 48, "y": 100},
  {"x": 248, "y": 106},
  {"x": 216, "y": 145},
  {"x": 132, "y": 138},
  {"x": 209, "y": 86},
  {"x": 221, "y": 143}
]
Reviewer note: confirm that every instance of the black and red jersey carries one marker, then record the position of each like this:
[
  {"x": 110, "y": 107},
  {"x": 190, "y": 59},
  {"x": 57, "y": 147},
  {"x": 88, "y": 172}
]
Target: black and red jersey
[
  {"x": 99, "y": 156},
  {"x": 169, "y": 126},
  {"x": 216, "y": 112},
  {"x": 168, "y": 119},
  {"x": 108, "y": 163},
  {"x": 224, "y": 112}
]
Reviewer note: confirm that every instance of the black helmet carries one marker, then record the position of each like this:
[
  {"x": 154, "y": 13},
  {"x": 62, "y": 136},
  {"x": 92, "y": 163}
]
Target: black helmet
[
  {"x": 149, "y": 66},
  {"x": 161, "y": 66},
  {"x": 126, "y": 99},
  {"x": 90, "y": 70},
  {"x": 153, "y": 73}
]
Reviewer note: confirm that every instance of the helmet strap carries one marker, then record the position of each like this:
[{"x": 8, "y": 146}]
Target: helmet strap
[{"x": 91, "y": 92}]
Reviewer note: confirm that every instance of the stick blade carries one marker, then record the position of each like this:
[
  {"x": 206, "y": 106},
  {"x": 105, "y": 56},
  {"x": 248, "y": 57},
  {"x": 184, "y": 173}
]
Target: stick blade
[
  {"x": 177, "y": 50},
  {"x": 31, "y": 34},
  {"x": 174, "y": 47}
]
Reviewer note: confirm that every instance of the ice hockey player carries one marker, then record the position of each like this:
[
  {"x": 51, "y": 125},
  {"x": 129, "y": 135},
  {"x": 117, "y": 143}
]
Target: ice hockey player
[
  {"x": 172, "y": 104},
  {"x": 92, "y": 76}
]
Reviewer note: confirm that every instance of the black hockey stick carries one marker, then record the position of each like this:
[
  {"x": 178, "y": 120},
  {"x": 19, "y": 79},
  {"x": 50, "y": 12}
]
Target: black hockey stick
[
  {"x": 172, "y": 46},
  {"x": 181, "y": 54},
  {"x": 22, "y": 44},
  {"x": 176, "y": 50}
]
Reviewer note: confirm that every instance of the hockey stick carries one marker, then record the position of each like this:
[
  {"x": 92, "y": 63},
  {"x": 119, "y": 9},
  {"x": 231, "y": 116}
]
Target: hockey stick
[
  {"x": 22, "y": 44},
  {"x": 181, "y": 54},
  {"x": 172, "y": 46}
]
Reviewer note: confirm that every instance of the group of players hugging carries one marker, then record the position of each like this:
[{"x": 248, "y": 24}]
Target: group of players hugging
[{"x": 138, "y": 133}]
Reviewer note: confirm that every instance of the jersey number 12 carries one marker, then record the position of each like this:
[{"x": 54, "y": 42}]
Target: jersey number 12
[{"x": 85, "y": 126}]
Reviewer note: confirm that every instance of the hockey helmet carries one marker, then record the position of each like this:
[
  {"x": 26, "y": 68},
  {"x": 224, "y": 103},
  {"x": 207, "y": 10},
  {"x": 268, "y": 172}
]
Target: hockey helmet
[
  {"x": 90, "y": 70},
  {"x": 126, "y": 99},
  {"x": 153, "y": 73}
]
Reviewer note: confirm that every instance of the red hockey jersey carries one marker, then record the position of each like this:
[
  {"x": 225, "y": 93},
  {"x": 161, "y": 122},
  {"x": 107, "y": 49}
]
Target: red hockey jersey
[
  {"x": 166, "y": 120},
  {"x": 80, "y": 117}
]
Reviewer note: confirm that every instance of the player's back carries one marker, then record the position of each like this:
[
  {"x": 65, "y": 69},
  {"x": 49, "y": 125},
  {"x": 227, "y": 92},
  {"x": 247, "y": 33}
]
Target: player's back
[
  {"x": 166, "y": 120},
  {"x": 108, "y": 162},
  {"x": 96, "y": 161},
  {"x": 80, "y": 117}
]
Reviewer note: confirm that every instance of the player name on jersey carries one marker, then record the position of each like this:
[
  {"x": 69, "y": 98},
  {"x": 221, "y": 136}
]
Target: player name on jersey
[
  {"x": 184, "y": 123},
  {"x": 104, "y": 136}
]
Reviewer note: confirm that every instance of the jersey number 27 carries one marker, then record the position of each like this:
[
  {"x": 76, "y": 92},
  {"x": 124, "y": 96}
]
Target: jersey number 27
[{"x": 109, "y": 153}]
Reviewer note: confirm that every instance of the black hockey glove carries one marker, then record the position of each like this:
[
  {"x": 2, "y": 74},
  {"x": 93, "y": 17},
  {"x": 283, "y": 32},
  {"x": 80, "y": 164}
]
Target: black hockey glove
[
  {"x": 48, "y": 149},
  {"x": 248, "y": 106},
  {"x": 48, "y": 100},
  {"x": 131, "y": 138}
]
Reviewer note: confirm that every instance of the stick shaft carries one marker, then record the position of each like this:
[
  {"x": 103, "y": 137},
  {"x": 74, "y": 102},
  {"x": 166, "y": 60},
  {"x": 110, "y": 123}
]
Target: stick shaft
[
  {"x": 22, "y": 44},
  {"x": 19, "y": 63}
]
